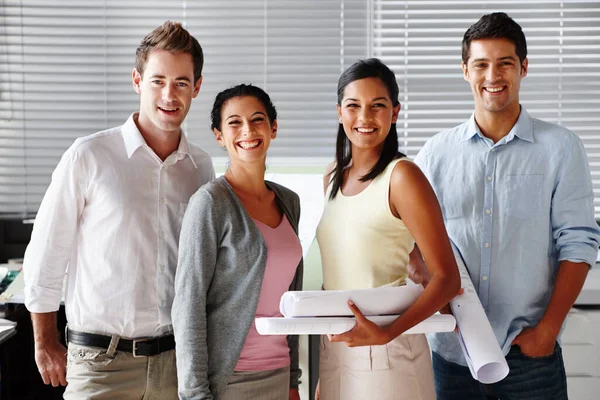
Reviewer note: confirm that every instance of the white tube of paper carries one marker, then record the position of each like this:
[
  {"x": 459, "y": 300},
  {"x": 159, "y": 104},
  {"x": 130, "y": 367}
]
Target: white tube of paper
[
  {"x": 334, "y": 303},
  {"x": 479, "y": 344},
  {"x": 337, "y": 325}
]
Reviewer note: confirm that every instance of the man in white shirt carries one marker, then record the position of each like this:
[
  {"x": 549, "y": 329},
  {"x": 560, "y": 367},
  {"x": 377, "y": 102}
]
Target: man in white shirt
[{"x": 110, "y": 219}]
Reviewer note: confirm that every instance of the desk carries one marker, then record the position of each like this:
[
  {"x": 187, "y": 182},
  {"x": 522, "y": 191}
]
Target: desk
[
  {"x": 5, "y": 338},
  {"x": 14, "y": 293},
  {"x": 20, "y": 377}
]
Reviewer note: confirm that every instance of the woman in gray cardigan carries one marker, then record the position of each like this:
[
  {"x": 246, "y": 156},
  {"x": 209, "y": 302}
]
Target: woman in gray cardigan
[{"x": 238, "y": 252}]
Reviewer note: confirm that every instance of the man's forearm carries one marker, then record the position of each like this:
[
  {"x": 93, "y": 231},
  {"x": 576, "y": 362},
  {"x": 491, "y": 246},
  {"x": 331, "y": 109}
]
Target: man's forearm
[
  {"x": 50, "y": 355},
  {"x": 45, "y": 327},
  {"x": 568, "y": 284}
]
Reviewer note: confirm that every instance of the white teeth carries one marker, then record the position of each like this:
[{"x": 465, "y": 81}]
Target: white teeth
[
  {"x": 168, "y": 109},
  {"x": 249, "y": 145},
  {"x": 364, "y": 130},
  {"x": 494, "y": 90}
]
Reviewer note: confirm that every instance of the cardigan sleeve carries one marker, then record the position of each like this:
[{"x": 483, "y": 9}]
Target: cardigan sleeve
[
  {"x": 198, "y": 242},
  {"x": 295, "y": 371}
]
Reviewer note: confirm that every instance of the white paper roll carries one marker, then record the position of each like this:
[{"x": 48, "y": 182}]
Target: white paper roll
[
  {"x": 328, "y": 303},
  {"x": 337, "y": 325},
  {"x": 479, "y": 344}
]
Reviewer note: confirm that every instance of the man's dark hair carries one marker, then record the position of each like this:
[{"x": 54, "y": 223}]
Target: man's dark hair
[{"x": 495, "y": 26}]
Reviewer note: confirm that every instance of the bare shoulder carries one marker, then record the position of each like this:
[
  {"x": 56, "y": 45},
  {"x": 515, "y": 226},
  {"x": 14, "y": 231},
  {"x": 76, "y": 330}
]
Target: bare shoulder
[
  {"x": 405, "y": 174},
  {"x": 410, "y": 190}
]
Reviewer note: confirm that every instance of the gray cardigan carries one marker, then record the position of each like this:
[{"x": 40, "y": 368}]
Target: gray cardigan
[{"x": 222, "y": 259}]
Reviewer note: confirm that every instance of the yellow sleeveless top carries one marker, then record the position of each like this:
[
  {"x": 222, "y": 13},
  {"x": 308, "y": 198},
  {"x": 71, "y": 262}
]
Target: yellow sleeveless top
[{"x": 362, "y": 244}]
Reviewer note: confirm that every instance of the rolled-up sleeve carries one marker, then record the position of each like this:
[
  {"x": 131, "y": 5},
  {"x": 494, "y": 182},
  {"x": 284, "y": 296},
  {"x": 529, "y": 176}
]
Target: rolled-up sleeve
[
  {"x": 54, "y": 234},
  {"x": 574, "y": 227}
]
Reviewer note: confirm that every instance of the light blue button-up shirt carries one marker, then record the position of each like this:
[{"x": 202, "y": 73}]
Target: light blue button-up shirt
[{"x": 514, "y": 209}]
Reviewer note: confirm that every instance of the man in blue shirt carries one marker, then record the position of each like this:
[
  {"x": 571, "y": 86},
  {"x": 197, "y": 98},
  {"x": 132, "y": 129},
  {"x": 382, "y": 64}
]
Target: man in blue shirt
[{"x": 517, "y": 199}]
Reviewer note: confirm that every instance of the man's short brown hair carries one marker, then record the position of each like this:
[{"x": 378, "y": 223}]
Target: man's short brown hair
[{"x": 174, "y": 38}]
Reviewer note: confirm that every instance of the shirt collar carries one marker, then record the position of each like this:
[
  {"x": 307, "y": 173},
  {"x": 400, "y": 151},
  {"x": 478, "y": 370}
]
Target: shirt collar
[
  {"x": 184, "y": 149},
  {"x": 131, "y": 135},
  {"x": 470, "y": 130},
  {"x": 523, "y": 128},
  {"x": 133, "y": 140}
]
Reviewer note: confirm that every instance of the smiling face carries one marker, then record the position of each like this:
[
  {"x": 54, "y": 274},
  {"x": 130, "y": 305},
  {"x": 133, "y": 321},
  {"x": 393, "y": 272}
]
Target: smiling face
[
  {"x": 166, "y": 91},
  {"x": 494, "y": 72},
  {"x": 246, "y": 131},
  {"x": 367, "y": 113}
]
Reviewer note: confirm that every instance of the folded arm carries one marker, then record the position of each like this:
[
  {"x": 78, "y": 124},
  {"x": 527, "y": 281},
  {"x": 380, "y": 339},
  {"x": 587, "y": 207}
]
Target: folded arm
[{"x": 413, "y": 200}]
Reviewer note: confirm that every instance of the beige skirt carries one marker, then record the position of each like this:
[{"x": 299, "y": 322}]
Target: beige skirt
[{"x": 398, "y": 370}]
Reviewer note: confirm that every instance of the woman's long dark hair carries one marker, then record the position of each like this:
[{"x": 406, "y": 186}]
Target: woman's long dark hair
[{"x": 369, "y": 68}]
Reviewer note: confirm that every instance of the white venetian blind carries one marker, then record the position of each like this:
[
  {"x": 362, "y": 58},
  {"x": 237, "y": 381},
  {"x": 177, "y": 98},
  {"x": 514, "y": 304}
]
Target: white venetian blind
[
  {"x": 65, "y": 72},
  {"x": 421, "y": 41},
  {"x": 295, "y": 50}
]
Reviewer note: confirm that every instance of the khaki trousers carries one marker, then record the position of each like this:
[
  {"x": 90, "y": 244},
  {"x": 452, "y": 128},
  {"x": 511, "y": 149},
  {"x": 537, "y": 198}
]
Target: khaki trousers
[
  {"x": 399, "y": 370},
  {"x": 98, "y": 374},
  {"x": 259, "y": 385}
]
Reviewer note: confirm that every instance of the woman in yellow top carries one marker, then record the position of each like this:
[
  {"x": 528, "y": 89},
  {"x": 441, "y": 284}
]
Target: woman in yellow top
[{"x": 379, "y": 204}]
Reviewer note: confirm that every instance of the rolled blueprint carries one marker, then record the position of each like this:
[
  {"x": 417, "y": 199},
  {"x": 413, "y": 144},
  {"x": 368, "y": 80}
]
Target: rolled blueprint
[
  {"x": 337, "y": 325},
  {"x": 334, "y": 303},
  {"x": 479, "y": 344}
]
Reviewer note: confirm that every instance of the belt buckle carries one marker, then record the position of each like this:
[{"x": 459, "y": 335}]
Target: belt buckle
[{"x": 135, "y": 342}]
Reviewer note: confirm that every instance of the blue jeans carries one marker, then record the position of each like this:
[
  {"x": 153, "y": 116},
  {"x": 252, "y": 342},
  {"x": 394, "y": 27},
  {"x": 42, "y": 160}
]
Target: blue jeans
[{"x": 529, "y": 378}]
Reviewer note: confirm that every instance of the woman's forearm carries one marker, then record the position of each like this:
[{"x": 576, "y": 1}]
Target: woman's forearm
[{"x": 441, "y": 289}]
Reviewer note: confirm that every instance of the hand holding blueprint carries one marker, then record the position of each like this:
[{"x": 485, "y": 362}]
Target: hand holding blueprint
[
  {"x": 479, "y": 344},
  {"x": 326, "y": 311}
]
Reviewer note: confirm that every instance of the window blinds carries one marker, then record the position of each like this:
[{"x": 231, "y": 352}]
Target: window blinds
[
  {"x": 421, "y": 41},
  {"x": 65, "y": 71}
]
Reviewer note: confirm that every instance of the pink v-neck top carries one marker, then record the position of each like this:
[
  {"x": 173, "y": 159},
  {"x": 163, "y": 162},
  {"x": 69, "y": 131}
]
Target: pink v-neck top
[{"x": 261, "y": 353}]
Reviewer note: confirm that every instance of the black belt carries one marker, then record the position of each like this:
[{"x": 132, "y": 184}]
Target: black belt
[{"x": 138, "y": 347}]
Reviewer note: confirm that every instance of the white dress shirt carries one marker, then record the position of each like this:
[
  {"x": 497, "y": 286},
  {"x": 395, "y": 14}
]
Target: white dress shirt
[{"x": 112, "y": 215}]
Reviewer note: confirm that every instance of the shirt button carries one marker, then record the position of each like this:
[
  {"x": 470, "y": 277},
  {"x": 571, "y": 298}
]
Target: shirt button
[
  {"x": 484, "y": 278},
  {"x": 486, "y": 245},
  {"x": 161, "y": 267},
  {"x": 489, "y": 178},
  {"x": 488, "y": 212},
  {"x": 493, "y": 150}
]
